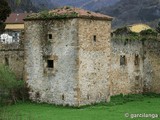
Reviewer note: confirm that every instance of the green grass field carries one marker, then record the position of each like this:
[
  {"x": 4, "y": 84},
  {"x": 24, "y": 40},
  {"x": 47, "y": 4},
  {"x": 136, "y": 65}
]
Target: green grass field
[{"x": 114, "y": 111}]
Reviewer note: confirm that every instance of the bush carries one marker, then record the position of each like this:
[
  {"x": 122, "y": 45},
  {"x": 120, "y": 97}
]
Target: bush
[
  {"x": 11, "y": 89},
  {"x": 149, "y": 32}
]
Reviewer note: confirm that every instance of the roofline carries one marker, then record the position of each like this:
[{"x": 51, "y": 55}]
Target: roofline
[
  {"x": 14, "y": 23},
  {"x": 81, "y": 17},
  {"x": 15, "y": 29}
]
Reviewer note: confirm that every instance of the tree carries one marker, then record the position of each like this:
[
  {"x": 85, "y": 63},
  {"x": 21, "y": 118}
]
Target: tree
[{"x": 4, "y": 13}]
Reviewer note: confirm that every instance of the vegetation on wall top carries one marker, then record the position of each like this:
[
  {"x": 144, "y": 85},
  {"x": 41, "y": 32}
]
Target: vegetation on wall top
[
  {"x": 149, "y": 32},
  {"x": 53, "y": 15},
  {"x": 125, "y": 34}
]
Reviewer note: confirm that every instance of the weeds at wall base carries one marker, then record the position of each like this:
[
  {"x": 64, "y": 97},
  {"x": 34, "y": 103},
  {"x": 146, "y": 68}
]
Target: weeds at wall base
[{"x": 115, "y": 100}]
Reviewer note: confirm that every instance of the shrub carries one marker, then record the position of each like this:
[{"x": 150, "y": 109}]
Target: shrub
[
  {"x": 149, "y": 32},
  {"x": 11, "y": 89}
]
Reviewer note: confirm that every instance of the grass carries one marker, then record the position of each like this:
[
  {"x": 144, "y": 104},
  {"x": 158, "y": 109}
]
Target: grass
[{"x": 115, "y": 110}]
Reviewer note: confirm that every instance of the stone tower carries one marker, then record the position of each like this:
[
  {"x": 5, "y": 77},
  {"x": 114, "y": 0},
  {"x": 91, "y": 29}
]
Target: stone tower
[{"x": 67, "y": 55}]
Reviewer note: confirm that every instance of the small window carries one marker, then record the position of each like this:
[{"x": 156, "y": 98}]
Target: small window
[
  {"x": 136, "y": 61},
  {"x": 50, "y": 63},
  {"x": 94, "y": 38},
  {"x": 37, "y": 95},
  {"x": 63, "y": 97},
  {"x": 111, "y": 34},
  {"x": 6, "y": 61},
  {"x": 122, "y": 60},
  {"x": 137, "y": 78},
  {"x": 50, "y": 36}
]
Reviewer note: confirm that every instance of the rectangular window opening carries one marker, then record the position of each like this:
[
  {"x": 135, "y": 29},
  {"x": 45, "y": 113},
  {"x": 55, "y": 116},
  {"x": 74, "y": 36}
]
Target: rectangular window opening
[
  {"x": 94, "y": 38},
  {"x": 6, "y": 61},
  {"x": 50, "y": 63},
  {"x": 63, "y": 97},
  {"x": 50, "y": 36},
  {"x": 122, "y": 60},
  {"x": 136, "y": 61}
]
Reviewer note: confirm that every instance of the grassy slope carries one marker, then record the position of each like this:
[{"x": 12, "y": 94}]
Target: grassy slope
[{"x": 32, "y": 111}]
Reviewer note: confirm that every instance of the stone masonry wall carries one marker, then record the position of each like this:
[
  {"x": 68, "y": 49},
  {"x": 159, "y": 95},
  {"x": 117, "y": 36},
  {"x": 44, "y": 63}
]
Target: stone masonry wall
[
  {"x": 152, "y": 66},
  {"x": 12, "y": 55},
  {"x": 131, "y": 77},
  {"x": 94, "y": 61},
  {"x": 126, "y": 77},
  {"x": 74, "y": 62},
  {"x": 56, "y": 85}
]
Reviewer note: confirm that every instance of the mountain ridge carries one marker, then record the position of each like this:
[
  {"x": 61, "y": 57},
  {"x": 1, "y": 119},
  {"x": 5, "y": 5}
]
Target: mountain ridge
[
  {"x": 86, "y": 4},
  {"x": 38, "y": 5},
  {"x": 126, "y": 12}
]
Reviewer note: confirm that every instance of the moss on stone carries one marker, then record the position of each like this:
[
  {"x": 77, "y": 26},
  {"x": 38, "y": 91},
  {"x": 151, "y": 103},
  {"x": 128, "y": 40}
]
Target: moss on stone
[{"x": 48, "y": 15}]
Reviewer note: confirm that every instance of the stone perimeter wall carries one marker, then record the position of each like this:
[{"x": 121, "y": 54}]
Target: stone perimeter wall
[
  {"x": 12, "y": 55},
  {"x": 126, "y": 78},
  {"x": 131, "y": 77},
  {"x": 152, "y": 65}
]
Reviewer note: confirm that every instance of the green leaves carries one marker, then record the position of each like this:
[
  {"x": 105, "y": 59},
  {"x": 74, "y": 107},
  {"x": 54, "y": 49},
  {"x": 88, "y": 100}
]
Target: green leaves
[
  {"x": 7, "y": 78},
  {"x": 9, "y": 85},
  {"x": 46, "y": 15},
  {"x": 18, "y": 2}
]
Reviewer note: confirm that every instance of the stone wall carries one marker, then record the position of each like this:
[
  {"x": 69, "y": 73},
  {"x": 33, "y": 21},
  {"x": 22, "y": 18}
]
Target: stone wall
[
  {"x": 81, "y": 56},
  {"x": 74, "y": 62},
  {"x": 12, "y": 55},
  {"x": 152, "y": 65},
  {"x": 52, "y": 40},
  {"x": 131, "y": 77},
  {"x": 94, "y": 60},
  {"x": 126, "y": 77}
]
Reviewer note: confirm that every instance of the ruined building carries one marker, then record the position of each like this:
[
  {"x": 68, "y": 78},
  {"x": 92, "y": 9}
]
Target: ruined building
[
  {"x": 70, "y": 58},
  {"x": 135, "y": 60}
]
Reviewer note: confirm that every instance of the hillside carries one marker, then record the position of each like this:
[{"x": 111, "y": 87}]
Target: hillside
[
  {"x": 86, "y": 4},
  {"x": 133, "y": 11},
  {"x": 26, "y": 5},
  {"x": 38, "y": 5},
  {"x": 31, "y": 5}
]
